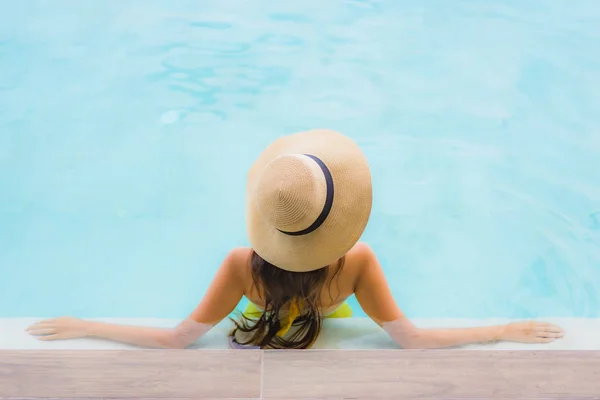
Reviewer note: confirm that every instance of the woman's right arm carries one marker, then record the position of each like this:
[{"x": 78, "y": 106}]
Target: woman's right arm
[
  {"x": 221, "y": 298},
  {"x": 375, "y": 298}
]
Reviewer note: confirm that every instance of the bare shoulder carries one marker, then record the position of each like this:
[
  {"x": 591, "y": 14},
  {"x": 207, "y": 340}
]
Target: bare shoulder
[
  {"x": 358, "y": 257},
  {"x": 238, "y": 260},
  {"x": 239, "y": 255},
  {"x": 360, "y": 254}
]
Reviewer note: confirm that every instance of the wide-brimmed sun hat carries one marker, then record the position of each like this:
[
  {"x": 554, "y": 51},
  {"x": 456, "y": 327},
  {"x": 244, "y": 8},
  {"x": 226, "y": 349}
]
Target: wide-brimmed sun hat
[{"x": 308, "y": 200}]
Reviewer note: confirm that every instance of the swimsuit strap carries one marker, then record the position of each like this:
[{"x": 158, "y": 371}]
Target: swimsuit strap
[{"x": 293, "y": 313}]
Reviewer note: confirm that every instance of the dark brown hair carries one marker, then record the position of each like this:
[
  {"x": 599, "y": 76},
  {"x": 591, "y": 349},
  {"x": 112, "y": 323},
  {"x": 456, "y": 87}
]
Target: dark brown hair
[{"x": 278, "y": 287}]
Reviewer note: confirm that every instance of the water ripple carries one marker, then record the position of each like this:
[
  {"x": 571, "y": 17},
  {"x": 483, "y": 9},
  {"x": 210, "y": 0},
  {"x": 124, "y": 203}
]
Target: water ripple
[{"x": 480, "y": 120}]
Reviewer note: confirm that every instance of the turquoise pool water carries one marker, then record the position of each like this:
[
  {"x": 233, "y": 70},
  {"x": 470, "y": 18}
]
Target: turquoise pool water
[{"x": 127, "y": 127}]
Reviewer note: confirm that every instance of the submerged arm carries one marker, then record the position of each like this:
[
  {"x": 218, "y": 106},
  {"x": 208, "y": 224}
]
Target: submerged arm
[
  {"x": 180, "y": 337},
  {"x": 221, "y": 298},
  {"x": 375, "y": 298},
  {"x": 410, "y": 337}
]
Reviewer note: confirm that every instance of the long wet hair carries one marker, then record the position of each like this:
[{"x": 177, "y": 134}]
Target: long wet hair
[{"x": 278, "y": 288}]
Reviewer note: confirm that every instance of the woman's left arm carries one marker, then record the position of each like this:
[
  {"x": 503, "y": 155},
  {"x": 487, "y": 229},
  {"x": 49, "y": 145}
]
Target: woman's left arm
[
  {"x": 221, "y": 298},
  {"x": 375, "y": 298}
]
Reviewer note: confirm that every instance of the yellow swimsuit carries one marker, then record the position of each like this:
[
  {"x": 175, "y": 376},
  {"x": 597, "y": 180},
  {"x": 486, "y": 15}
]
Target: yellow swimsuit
[{"x": 253, "y": 311}]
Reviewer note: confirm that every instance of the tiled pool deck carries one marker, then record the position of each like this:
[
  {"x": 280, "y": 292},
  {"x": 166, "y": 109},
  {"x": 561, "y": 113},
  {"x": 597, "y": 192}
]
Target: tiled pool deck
[
  {"x": 84, "y": 369},
  {"x": 312, "y": 374}
]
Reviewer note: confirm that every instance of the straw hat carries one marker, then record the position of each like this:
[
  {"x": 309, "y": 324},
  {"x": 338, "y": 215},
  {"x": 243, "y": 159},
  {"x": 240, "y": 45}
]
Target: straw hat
[{"x": 308, "y": 200}]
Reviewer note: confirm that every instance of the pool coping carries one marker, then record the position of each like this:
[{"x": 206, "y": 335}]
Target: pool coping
[
  {"x": 299, "y": 374},
  {"x": 337, "y": 334}
]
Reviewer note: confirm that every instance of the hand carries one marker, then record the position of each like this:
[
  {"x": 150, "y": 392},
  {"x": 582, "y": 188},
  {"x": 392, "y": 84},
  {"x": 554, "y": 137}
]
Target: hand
[
  {"x": 531, "y": 332},
  {"x": 59, "y": 329}
]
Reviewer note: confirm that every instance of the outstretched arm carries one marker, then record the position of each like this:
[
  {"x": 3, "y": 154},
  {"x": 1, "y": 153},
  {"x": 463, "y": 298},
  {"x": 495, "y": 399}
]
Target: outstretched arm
[
  {"x": 220, "y": 300},
  {"x": 375, "y": 298}
]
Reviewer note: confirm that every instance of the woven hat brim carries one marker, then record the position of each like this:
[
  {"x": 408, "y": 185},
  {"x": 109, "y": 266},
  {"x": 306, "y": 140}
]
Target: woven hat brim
[{"x": 349, "y": 214}]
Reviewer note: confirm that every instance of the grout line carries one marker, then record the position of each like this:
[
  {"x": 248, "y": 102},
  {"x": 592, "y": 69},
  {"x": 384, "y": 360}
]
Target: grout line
[{"x": 262, "y": 372}]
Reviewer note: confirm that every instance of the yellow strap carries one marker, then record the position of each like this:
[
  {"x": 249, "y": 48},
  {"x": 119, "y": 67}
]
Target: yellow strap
[
  {"x": 343, "y": 311},
  {"x": 252, "y": 311},
  {"x": 293, "y": 313}
]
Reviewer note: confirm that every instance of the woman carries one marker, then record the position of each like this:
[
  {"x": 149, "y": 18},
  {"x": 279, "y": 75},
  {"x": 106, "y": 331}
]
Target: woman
[{"x": 308, "y": 202}]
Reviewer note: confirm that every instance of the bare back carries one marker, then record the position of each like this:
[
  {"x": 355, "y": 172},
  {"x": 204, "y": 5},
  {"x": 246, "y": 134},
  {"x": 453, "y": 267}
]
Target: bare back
[
  {"x": 337, "y": 288},
  {"x": 360, "y": 275},
  {"x": 339, "y": 285}
]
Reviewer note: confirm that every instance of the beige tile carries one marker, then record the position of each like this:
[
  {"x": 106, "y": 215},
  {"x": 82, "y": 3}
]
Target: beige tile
[
  {"x": 441, "y": 374},
  {"x": 193, "y": 374}
]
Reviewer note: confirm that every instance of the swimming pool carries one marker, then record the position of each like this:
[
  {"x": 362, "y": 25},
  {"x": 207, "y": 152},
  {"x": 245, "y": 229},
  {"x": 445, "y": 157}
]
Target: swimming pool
[{"x": 127, "y": 128}]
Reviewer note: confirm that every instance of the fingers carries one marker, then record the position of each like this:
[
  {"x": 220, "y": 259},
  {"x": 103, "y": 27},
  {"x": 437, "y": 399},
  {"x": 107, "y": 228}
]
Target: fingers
[
  {"x": 549, "y": 328},
  {"x": 545, "y": 325},
  {"x": 42, "y": 323},
  {"x": 47, "y": 334},
  {"x": 543, "y": 340},
  {"x": 550, "y": 335},
  {"x": 39, "y": 326},
  {"x": 51, "y": 329},
  {"x": 549, "y": 331},
  {"x": 540, "y": 332},
  {"x": 51, "y": 337},
  {"x": 46, "y": 327},
  {"x": 41, "y": 331}
]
